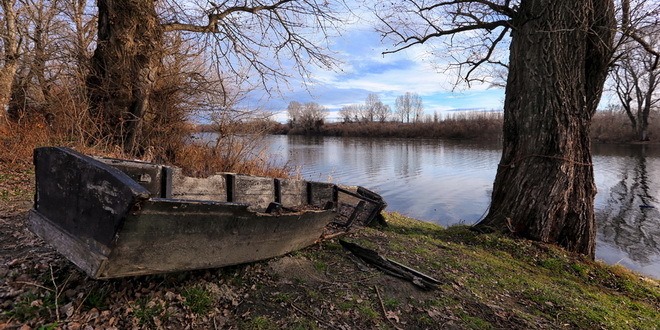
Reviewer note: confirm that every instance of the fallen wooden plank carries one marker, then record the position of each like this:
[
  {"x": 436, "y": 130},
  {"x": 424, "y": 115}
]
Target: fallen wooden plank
[{"x": 391, "y": 267}]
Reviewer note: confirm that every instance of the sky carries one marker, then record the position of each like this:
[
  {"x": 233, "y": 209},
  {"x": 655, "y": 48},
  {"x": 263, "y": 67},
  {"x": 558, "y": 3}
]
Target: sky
[{"x": 366, "y": 70}]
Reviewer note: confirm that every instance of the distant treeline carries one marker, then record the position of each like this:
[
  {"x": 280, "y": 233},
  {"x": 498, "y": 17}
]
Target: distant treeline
[
  {"x": 607, "y": 127},
  {"x": 478, "y": 125}
]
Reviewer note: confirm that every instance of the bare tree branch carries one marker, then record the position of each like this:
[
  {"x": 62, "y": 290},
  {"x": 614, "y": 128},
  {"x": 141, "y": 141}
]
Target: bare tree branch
[
  {"x": 215, "y": 19},
  {"x": 418, "y": 40},
  {"x": 482, "y": 24},
  {"x": 267, "y": 37}
]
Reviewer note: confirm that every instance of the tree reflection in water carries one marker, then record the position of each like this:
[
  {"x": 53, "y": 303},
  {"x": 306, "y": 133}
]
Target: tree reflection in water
[{"x": 630, "y": 219}]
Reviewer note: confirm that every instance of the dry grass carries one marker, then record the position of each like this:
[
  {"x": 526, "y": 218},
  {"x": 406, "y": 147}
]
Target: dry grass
[
  {"x": 231, "y": 154},
  {"x": 614, "y": 126},
  {"x": 235, "y": 154}
]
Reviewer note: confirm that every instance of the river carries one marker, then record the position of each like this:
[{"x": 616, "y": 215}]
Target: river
[{"x": 450, "y": 182}]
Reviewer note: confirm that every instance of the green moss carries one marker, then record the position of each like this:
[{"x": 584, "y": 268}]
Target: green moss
[
  {"x": 281, "y": 297},
  {"x": 97, "y": 298},
  {"x": 198, "y": 299},
  {"x": 146, "y": 311},
  {"x": 259, "y": 323},
  {"x": 367, "y": 311},
  {"x": 303, "y": 324},
  {"x": 391, "y": 303},
  {"x": 345, "y": 305},
  {"x": 320, "y": 266},
  {"x": 474, "y": 322}
]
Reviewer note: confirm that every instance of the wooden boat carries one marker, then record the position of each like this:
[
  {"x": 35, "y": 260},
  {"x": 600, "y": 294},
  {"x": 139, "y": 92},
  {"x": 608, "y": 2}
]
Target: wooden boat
[{"x": 115, "y": 218}]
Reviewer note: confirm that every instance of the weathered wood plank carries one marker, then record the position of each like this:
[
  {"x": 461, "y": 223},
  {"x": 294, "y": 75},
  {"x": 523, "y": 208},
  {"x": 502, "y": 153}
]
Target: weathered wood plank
[
  {"x": 255, "y": 190},
  {"x": 293, "y": 193},
  {"x": 319, "y": 193},
  {"x": 211, "y": 188},
  {"x": 391, "y": 267},
  {"x": 147, "y": 175}
]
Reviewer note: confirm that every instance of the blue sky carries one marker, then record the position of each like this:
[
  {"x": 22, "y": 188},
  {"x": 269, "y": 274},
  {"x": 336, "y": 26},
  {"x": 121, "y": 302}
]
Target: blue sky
[{"x": 365, "y": 70}]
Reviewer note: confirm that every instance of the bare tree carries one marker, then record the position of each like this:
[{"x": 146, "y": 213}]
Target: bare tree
[
  {"x": 294, "y": 111},
  {"x": 9, "y": 35},
  {"x": 370, "y": 105},
  {"x": 383, "y": 111},
  {"x": 416, "y": 106},
  {"x": 80, "y": 32},
  {"x": 409, "y": 104},
  {"x": 636, "y": 71},
  {"x": 374, "y": 109},
  {"x": 308, "y": 116},
  {"x": 351, "y": 113},
  {"x": 258, "y": 34},
  {"x": 41, "y": 63},
  {"x": 558, "y": 61},
  {"x": 313, "y": 116}
]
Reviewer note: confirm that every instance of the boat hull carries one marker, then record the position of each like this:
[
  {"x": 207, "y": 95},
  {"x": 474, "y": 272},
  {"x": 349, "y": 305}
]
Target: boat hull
[{"x": 115, "y": 218}]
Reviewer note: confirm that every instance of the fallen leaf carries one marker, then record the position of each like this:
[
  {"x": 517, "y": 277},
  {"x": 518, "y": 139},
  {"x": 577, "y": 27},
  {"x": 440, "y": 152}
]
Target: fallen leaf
[{"x": 392, "y": 315}]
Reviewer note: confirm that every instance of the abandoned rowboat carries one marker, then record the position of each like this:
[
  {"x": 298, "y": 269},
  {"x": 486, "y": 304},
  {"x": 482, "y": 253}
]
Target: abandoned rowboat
[{"x": 115, "y": 218}]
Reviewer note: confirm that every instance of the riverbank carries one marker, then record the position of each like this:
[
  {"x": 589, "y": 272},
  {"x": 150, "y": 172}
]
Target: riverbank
[
  {"x": 486, "y": 281},
  {"x": 606, "y": 127}
]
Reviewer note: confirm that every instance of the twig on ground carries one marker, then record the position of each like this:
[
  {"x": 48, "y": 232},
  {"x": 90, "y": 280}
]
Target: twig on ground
[
  {"x": 382, "y": 307},
  {"x": 34, "y": 284},
  {"x": 310, "y": 315},
  {"x": 57, "y": 295},
  {"x": 82, "y": 302}
]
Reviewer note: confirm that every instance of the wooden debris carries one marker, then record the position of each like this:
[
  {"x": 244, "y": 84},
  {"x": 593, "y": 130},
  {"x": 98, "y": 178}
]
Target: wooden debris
[{"x": 391, "y": 267}]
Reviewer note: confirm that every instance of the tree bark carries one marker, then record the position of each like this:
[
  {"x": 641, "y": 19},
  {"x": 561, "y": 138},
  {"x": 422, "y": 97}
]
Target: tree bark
[
  {"x": 544, "y": 188},
  {"x": 124, "y": 68}
]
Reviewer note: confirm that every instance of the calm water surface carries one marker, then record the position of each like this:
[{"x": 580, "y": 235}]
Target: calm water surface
[{"x": 450, "y": 182}]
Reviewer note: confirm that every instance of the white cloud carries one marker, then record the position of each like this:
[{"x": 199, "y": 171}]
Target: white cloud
[{"x": 366, "y": 70}]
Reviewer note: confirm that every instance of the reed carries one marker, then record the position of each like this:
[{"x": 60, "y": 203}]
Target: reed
[{"x": 610, "y": 126}]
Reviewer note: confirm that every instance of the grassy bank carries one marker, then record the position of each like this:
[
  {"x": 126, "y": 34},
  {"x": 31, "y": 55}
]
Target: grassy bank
[
  {"x": 607, "y": 127},
  {"x": 487, "y": 281}
]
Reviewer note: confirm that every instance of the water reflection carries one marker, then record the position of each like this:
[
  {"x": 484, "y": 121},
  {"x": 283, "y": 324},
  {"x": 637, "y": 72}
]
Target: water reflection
[
  {"x": 629, "y": 220},
  {"x": 407, "y": 159},
  {"x": 449, "y": 182}
]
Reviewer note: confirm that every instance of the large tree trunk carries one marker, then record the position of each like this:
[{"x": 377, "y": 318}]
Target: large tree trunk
[
  {"x": 544, "y": 188},
  {"x": 125, "y": 66}
]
